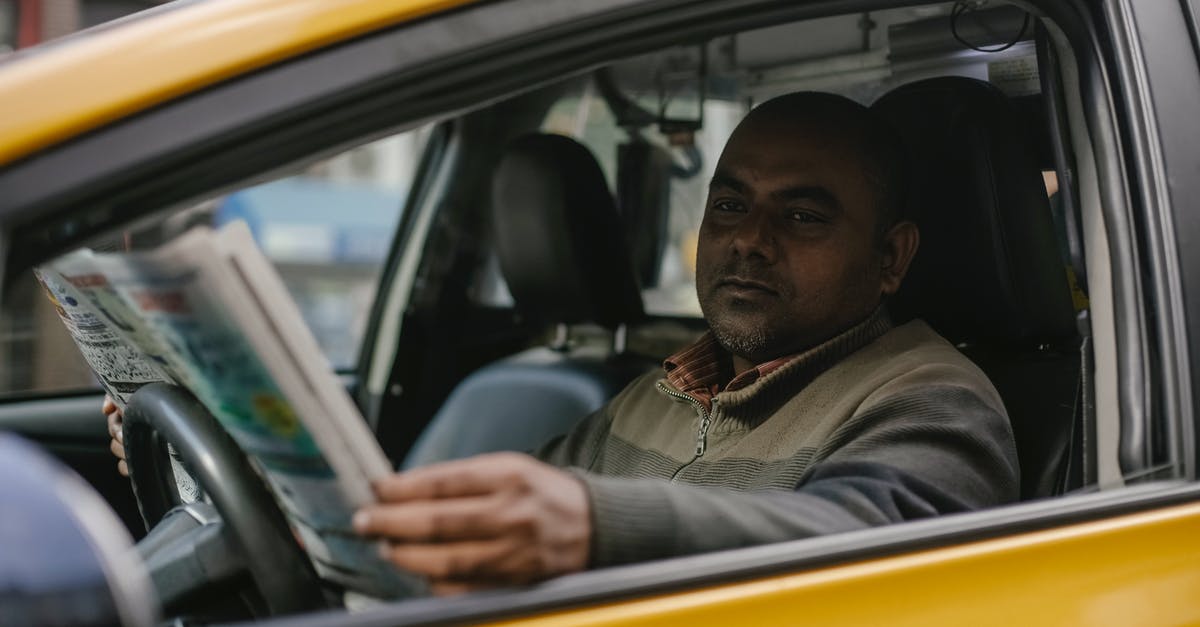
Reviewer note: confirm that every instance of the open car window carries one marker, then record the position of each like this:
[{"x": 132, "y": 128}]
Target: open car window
[
  {"x": 327, "y": 230},
  {"x": 678, "y": 105}
]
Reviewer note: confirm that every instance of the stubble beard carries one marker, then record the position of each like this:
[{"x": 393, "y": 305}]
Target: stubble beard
[
  {"x": 748, "y": 341},
  {"x": 739, "y": 327}
]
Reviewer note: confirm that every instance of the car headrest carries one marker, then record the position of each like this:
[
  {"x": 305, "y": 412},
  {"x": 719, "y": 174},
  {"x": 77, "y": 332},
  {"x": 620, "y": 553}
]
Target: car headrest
[
  {"x": 644, "y": 200},
  {"x": 987, "y": 269},
  {"x": 558, "y": 236}
]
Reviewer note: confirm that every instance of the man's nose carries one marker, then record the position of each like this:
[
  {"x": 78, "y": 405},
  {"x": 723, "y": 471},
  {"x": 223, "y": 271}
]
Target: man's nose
[{"x": 755, "y": 236}]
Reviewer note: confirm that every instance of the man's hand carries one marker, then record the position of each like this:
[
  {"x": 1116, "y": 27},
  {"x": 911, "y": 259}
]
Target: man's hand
[
  {"x": 497, "y": 519},
  {"x": 117, "y": 446}
]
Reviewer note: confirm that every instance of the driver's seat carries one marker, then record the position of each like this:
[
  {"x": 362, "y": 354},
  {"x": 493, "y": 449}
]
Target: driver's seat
[{"x": 988, "y": 275}]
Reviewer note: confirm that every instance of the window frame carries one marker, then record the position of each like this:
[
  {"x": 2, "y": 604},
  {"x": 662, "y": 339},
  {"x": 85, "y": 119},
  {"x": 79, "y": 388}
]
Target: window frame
[{"x": 1156, "y": 62}]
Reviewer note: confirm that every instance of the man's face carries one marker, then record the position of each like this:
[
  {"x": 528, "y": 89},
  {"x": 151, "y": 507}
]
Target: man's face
[{"x": 788, "y": 253}]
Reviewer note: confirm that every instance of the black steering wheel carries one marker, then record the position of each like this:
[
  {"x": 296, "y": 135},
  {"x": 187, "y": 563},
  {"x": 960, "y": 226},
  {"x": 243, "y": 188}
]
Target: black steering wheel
[{"x": 251, "y": 534}]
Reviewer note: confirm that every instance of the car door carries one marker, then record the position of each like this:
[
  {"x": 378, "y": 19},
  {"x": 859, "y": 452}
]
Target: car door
[{"x": 1082, "y": 558}]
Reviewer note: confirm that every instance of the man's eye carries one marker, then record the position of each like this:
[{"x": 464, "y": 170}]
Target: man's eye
[
  {"x": 806, "y": 217},
  {"x": 727, "y": 205}
]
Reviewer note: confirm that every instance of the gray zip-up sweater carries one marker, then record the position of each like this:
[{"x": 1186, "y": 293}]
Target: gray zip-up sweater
[{"x": 877, "y": 425}]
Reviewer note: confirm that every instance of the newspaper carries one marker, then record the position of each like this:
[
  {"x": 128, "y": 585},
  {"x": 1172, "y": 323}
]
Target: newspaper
[{"x": 208, "y": 312}]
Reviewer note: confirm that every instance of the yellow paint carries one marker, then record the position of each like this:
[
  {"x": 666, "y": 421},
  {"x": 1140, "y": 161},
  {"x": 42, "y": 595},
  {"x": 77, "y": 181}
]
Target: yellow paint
[
  {"x": 1137, "y": 569},
  {"x": 94, "y": 78}
]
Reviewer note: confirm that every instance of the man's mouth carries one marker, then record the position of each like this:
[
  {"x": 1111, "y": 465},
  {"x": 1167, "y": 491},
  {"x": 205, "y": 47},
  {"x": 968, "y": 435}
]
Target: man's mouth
[{"x": 747, "y": 287}]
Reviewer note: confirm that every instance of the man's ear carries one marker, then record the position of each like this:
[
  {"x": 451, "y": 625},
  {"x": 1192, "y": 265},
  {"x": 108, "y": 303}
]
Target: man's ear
[{"x": 899, "y": 246}]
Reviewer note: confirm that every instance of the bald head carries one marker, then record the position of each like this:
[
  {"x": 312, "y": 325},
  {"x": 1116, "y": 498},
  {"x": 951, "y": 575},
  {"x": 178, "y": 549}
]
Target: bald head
[{"x": 839, "y": 126}]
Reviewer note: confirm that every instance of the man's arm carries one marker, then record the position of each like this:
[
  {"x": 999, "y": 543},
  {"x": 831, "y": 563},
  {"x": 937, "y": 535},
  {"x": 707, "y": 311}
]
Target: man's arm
[
  {"x": 936, "y": 451},
  {"x": 507, "y": 518}
]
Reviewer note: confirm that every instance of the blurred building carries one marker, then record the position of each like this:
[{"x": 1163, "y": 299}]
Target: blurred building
[{"x": 24, "y": 23}]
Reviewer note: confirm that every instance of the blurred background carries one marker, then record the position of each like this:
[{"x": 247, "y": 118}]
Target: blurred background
[{"x": 24, "y": 23}]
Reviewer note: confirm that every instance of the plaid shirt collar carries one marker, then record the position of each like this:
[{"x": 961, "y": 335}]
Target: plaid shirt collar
[{"x": 704, "y": 369}]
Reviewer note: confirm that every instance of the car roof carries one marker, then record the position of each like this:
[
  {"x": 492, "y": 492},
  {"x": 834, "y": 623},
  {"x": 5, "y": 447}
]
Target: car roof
[{"x": 65, "y": 88}]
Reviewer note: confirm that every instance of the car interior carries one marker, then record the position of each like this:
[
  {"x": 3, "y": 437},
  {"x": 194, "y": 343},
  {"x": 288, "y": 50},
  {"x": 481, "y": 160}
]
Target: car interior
[
  {"x": 993, "y": 274},
  {"x": 542, "y": 247}
]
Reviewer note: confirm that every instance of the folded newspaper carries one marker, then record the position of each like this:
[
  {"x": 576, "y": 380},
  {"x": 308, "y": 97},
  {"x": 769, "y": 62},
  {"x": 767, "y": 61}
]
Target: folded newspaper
[{"x": 208, "y": 312}]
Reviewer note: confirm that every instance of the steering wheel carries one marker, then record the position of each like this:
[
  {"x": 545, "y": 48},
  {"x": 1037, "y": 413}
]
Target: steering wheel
[{"x": 250, "y": 536}]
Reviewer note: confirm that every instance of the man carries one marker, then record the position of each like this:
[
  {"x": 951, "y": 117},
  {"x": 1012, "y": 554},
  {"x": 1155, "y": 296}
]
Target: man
[{"x": 802, "y": 412}]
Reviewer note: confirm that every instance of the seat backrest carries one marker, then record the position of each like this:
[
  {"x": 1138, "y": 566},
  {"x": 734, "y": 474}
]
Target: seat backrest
[
  {"x": 644, "y": 200},
  {"x": 558, "y": 235},
  {"x": 562, "y": 253},
  {"x": 988, "y": 274}
]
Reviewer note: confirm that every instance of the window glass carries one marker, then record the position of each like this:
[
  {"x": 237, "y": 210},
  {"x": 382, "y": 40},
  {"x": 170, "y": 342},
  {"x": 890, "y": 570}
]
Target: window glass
[
  {"x": 585, "y": 116},
  {"x": 327, "y": 229}
]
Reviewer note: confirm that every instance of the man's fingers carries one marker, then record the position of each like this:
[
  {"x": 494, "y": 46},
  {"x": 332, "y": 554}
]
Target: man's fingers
[
  {"x": 113, "y": 415},
  {"x": 498, "y": 561},
  {"x": 474, "y": 476},
  {"x": 114, "y": 426},
  {"x": 432, "y": 521}
]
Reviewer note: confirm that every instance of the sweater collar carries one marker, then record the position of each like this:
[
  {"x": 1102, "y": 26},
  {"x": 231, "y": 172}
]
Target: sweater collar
[{"x": 703, "y": 369}]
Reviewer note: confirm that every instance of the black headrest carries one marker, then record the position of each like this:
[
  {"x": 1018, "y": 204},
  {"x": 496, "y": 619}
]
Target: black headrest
[
  {"x": 988, "y": 269},
  {"x": 558, "y": 235},
  {"x": 644, "y": 200}
]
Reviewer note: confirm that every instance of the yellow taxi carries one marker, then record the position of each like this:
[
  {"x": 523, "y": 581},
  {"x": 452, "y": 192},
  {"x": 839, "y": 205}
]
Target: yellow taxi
[{"x": 358, "y": 137}]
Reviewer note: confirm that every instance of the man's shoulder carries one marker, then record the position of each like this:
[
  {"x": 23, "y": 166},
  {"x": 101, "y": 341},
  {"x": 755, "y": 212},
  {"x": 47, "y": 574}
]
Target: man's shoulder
[
  {"x": 916, "y": 337},
  {"x": 913, "y": 355},
  {"x": 914, "y": 343}
]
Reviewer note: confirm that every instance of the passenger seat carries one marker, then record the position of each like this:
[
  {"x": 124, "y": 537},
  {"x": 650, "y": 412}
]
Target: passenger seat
[{"x": 562, "y": 253}]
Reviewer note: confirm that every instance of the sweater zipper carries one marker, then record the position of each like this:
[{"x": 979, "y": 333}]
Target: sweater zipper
[{"x": 701, "y": 434}]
